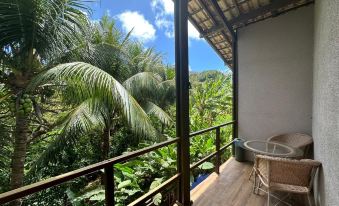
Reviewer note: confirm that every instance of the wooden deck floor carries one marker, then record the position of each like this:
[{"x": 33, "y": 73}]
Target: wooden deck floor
[{"x": 230, "y": 188}]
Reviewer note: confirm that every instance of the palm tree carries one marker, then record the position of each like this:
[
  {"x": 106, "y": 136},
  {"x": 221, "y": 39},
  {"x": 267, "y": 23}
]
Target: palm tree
[
  {"x": 101, "y": 100},
  {"x": 106, "y": 48},
  {"x": 140, "y": 71},
  {"x": 32, "y": 32},
  {"x": 35, "y": 35}
]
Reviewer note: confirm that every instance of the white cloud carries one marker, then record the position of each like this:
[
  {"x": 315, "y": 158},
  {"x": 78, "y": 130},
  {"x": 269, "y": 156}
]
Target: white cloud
[
  {"x": 163, "y": 23},
  {"x": 166, "y": 6},
  {"x": 164, "y": 19},
  {"x": 193, "y": 32},
  {"x": 142, "y": 29},
  {"x": 164, "y": 10},
  {"x": 166, "y": 25}
]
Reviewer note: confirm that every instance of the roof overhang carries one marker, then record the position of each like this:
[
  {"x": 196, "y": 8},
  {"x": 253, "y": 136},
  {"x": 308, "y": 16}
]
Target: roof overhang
[{"x": 218, "y": 20}]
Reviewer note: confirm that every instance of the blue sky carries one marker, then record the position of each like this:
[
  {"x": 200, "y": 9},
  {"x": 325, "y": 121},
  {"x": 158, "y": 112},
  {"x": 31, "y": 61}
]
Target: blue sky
[{"x": 152, "y": 21}]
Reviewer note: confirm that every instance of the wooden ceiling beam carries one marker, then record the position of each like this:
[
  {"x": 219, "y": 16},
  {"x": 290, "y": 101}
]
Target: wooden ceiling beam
[
  {"x": 243, "y": 18},
  {"x": 212, "y": 31},
  {"x": 196, "y": 11},
  {"x": 208, "y": 12},
  {"x": 222, "y": 42},
  {"x": 217, "y": 8},
  {"x": 211, "y": 16},
  {"x": 235, "y": 2},
  {"x": 225, "y": 47}
]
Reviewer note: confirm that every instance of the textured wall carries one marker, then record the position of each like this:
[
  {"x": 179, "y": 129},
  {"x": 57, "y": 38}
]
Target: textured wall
[
  {"x": 326, "y": 100},
  {"x": 275, "y": 75}
]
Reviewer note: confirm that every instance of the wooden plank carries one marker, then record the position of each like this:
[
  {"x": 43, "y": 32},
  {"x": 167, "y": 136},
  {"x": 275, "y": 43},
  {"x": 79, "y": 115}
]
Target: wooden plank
[
  {"x": 235, "y": 2},
  {"x": 211, "y": 17},
  {"x": 207, "y": 11},
  {"x": 243, "y": 18},
  {"x": 275, "y": 14},
  {"x": 227, "y": 25},
  {"x": 196, "y": 25},
  {"x": 212, "y": 30},
  {"x": 230, "y": 188}
]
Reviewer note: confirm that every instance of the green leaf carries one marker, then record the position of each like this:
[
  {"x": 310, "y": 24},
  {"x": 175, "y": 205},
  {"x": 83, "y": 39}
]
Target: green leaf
[
  {"x": 206, "y": 166},
  {"x": 94, "y": 82},
  {"x": 124, "y": 184},
  {"x": 157, "y": 199},
  {"x": 98, "y": 197},
  {"x": 124, "y": 168},
  {"x": 156, "y": 183},
  {"x": 132, "y": 192}
]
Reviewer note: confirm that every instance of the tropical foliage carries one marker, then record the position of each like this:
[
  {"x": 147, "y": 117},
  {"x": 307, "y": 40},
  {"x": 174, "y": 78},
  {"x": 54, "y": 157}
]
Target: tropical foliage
[{"x": 74, "y": 92}]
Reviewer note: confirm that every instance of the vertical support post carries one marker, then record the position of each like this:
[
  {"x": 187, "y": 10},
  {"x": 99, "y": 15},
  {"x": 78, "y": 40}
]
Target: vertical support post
[
  {"x": 235, "y": 83},
  {"x": 109, "y": 185},
  {"x": 182, "y": 99},
  {"x": 217, "y": 148}
]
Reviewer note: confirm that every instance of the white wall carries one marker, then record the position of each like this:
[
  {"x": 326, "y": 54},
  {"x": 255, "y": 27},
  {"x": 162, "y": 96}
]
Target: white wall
[
  {"x": 326, "y": 100},
  {"x": 275, "y": 75}
]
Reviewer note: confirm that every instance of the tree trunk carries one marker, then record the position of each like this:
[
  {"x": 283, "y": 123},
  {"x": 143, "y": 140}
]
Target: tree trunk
[
  {"x": 105, "y": 145},
  {"x": 105, "y": 148},
  {"x": 162, "y": 128},
  {"x": 19, "y": 154}
]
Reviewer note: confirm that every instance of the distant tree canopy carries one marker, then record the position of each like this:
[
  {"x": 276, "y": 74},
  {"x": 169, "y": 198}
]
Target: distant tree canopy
[{"x": 206, "y": 75}]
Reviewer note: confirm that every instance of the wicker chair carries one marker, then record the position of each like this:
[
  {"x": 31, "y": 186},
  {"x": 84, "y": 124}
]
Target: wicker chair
[
  {"x": 296, "y": 140},
  {"x": 285, "y": 175}
]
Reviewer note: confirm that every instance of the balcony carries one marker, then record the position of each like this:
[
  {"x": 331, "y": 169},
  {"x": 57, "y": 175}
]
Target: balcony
[
  {"x": 272, "y": 93},
  {"x": 228, "y": 185},
  {"x": 108, "y": 166},
  {"x": 233, "y": 188}
]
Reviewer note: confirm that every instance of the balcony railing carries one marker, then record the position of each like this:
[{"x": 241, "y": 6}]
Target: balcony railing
[{"x": 108, "y": 166}]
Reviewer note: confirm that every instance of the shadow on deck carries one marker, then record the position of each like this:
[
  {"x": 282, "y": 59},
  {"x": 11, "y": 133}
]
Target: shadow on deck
[{"x": 230, "y": 188}]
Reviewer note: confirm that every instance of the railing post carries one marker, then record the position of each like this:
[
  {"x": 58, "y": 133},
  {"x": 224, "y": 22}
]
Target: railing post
[
  {"x": 235, "y": 82},
  {"x": 182, "y": 98},
  {"x": 109, "y": 185},
  {"x": 217, "y": 148}
]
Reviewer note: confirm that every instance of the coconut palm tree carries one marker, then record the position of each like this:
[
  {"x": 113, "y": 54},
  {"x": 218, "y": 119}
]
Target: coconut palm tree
[
  {"x": 106, "y": 48},
  {"x": 100, "y": 100},
  {"x": 35, "y": 35},
  {"x": 31, "y": 32}
]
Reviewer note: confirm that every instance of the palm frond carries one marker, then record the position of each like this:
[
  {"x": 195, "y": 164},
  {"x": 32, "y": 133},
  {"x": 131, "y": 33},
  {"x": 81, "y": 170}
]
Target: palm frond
[
  {"x": 80, "y": 121},
  {"x": 153, "y": 109},
  {"x": 101, "y": 85},
  {"x": 84, "y": 118},
  {"x": 142, "y": 84},
  {"x": 47, "y": 26}
]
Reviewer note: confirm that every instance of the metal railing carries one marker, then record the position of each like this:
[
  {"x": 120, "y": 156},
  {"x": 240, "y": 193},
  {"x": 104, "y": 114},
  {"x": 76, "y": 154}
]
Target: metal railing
[
  {"x": 218, "y": 148},
  {"x": 108, "y": 166}
]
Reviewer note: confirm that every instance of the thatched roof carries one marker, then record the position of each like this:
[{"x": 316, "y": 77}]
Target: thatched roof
[{"x": 217, "y": 19}]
